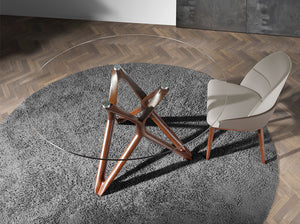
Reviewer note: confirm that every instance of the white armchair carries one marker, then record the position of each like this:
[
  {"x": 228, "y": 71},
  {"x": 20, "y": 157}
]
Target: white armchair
[{"x": 248, "y": 106}]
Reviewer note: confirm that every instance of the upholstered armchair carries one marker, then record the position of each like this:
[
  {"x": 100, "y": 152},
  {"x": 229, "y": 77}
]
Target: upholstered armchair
[{"x": 248, "y": 106}]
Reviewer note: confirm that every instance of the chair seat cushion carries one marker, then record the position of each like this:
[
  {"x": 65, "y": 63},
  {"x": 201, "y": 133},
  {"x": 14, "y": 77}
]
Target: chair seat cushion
[{"x": 228, "y": 101}]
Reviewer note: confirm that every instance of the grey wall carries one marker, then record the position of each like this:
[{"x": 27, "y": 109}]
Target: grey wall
[
  {"x": 134, "y": 11},
  {"x": 279, "y": 17}
]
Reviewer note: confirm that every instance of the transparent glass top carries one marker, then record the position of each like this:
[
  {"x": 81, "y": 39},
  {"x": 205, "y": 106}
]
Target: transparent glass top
[{"x": 68, "y": 112}]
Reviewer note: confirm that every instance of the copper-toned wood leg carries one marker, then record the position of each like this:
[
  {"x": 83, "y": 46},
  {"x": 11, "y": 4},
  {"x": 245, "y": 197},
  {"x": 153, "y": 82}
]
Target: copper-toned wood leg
[
  {"x": 261, "y": 144},
  {"x": 132, "y": 145},
  {"x": 209, "y": 142},
  {"x": 134, "y": 112},
  {"x": 147, "y": 109},
  {"x": 182, "y": 151},
  {"x": 104, "y": 150}
]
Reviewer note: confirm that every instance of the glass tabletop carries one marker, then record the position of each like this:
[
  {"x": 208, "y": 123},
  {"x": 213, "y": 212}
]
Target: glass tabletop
[{"x": 68, "y": 113}]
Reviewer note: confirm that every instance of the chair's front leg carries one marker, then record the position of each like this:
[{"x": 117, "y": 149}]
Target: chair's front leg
[
  {"x": 261, "y": 144},
  {"x": 209, "y": 141}
]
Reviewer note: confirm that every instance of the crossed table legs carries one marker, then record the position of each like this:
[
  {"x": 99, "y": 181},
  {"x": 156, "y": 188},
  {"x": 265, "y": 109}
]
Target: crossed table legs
[{"x": 148, "y": 104}]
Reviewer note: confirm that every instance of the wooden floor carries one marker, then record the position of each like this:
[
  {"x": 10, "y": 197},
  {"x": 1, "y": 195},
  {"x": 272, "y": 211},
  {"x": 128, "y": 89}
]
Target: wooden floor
[{"x": 27, "y": 43}]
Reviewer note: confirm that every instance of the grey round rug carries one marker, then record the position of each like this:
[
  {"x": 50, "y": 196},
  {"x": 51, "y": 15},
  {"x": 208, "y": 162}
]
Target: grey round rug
[{"x": 41, "y": 183}]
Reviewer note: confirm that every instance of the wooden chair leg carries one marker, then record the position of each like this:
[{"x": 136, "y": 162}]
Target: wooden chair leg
[
  {"x": 261, "y": 144},
  {"x": 209, "y": 143}
]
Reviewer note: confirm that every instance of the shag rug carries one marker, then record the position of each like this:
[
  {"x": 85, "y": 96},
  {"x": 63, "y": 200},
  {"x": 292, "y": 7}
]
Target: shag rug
[{"x": 40, "y": 182}]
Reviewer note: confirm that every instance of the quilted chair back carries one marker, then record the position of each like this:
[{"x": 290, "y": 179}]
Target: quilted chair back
[{"x": 267, "y": 78}]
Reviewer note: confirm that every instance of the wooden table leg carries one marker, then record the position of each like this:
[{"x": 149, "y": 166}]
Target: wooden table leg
[
  {"x": 182, "y": 151},
  {"x": 147, "y": 109},
  {"x": 104, "y": 184},
  {"x": 104, "y": 150}
]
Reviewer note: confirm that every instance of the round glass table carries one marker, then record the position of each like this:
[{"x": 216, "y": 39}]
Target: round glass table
[
  {"x": 153, "y": 86},
  {"x": 68, "y": 125}
]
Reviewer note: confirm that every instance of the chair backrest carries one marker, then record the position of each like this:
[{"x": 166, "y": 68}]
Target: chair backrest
[{"x": 267, "y": 78}]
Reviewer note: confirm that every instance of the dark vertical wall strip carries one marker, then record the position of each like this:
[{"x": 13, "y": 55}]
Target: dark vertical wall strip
[{"x": 278, "y": 17}]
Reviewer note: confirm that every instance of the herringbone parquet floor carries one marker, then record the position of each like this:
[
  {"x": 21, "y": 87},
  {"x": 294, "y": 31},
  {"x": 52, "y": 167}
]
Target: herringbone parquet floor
[{"x": 27, "y": 43}]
